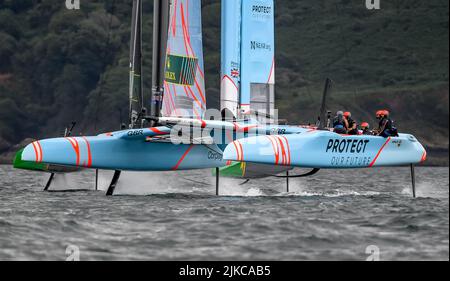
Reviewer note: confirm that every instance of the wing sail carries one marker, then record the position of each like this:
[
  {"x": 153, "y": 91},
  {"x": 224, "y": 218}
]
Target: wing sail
[
  {"x": 248, "y": 56},
  {"x": 231, "y": 56},
  {"x": 184, "y": 86},
  {"x": 258, "y": 60}
]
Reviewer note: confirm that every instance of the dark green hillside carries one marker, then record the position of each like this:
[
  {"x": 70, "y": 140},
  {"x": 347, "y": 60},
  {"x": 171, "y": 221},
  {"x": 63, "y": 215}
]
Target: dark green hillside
[
  {"x": 57, "y": 65},
  {"x": 395, "y": 58}
]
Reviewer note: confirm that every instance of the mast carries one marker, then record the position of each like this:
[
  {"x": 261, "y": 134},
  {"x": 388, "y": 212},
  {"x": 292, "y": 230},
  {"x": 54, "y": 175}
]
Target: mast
[
  {"x": 160, "y": 34},
  {"x": 136, "y": 93},
  {"x": 322, "y": 123}
]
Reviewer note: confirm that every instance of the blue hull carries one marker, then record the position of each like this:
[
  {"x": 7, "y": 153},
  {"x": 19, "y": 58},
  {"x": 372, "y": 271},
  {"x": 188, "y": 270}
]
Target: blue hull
[
  {"x": 145, "y": 150},
  {"x": 118, "y": 153},
  {"x": 323, "y": 149}
]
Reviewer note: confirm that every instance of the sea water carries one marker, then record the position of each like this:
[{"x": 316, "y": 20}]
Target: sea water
[{"x": 334, "y": 215}]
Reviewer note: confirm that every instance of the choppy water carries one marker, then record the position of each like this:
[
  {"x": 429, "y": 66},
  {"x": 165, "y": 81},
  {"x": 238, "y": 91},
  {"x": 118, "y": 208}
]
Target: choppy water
[{"x": 332, "y": 216}]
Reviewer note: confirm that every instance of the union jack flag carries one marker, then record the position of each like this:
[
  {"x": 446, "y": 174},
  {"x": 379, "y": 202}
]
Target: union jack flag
[{"x": 235, "y": 73}]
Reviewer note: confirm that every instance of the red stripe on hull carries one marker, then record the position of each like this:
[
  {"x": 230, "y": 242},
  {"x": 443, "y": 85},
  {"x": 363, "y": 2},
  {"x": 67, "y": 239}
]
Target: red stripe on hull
[
  {"x": 182, "y": 157},
  {"x": 35, "y": 152},
  {"x": 88, "y": 146},
  {"x": 379, "y": 152},
  {"x": 40, "y": 152}
]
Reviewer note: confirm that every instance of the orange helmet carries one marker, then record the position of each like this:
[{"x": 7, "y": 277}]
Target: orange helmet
[
  {"x": 386, "y": 113},
  {"x": 364, "y": 125},
  {"x": 380, "y": 113},
  {"x": 347, "y": 114}
]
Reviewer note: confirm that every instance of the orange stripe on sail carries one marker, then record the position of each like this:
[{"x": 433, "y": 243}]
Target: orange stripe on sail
[
  {"x": 197, "y": 114},
  {"x": 183, "y": 24},
  {"x": 200, "y": 91},
  {"x": 187, "y": 94},
  {"x": 171, "y": 104},
  {"x": 175, "y": 95},
  {"x": 165, "y": 105},
  {"x": 200, "y": 71},
  {"x": 195, "y": 98},
  {"x": 187, "y": 42},
  {"x": 174, "y": 20},
  {"x": 166, "y": 99}
]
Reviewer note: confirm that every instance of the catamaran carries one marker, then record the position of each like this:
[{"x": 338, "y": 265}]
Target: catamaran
[{"x": 244, "y": 141}]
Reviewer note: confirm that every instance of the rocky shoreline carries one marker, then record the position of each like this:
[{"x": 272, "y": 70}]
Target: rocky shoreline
[{"x": 7, "y": 152}]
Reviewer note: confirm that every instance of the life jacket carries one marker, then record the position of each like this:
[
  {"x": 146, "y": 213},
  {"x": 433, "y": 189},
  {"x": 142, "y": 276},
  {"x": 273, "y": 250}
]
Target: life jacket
[
  {"x": 388, "y": 125},
  {"x": 384, "y": 122},
  {"x": 351, "y": 122},
  {"x": 338, "y": 123},
  {"x": 389, "y": 128},
  {"x": 394, "y": 130}
]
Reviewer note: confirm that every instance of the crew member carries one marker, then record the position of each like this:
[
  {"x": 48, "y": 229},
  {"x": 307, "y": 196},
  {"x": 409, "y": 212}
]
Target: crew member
[
  {"x": 365, "y": 129},
  {"x": 351, "y": 124},
  {"x": 385, "y": 127},
  {"x": 340, "y": 124}
]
